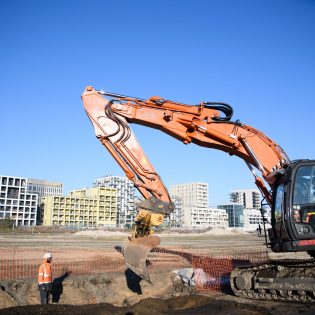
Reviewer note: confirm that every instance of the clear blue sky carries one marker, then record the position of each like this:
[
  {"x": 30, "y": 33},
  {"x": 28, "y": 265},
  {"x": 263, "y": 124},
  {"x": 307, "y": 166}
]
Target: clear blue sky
[{"x": 257, "y": 55}]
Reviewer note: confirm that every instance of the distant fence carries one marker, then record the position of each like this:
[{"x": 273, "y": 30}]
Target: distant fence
[{"x": 212, "y": 270}]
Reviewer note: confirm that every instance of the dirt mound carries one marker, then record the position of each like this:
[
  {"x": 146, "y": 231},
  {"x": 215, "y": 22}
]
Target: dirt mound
[
  {"x": 6, "y": 300},
  {"x": 116, "y": 288},
  {"x": 219, "y": 231},
  {"x": 100, "y": 233}
]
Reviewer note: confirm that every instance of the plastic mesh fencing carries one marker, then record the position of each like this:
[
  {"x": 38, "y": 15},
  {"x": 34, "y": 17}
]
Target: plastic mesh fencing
[{"x": 212, "y": 273}]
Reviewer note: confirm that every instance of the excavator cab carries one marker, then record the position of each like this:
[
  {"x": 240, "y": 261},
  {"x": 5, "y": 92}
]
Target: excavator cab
[{"x": 293, "y": 209}]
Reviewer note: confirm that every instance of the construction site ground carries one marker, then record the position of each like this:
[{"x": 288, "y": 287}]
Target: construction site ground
[{"x": 99, "y": 282}]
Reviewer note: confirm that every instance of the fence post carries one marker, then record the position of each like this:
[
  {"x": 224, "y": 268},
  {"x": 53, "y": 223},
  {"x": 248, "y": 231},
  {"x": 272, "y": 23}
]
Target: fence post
[{"x": 13, "y": 262}]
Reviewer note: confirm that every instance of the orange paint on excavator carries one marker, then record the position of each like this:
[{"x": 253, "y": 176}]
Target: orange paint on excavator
[{"x": 207, "y": 124}]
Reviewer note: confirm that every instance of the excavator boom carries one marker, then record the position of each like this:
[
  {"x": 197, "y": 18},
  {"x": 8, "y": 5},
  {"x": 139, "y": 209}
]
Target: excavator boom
[{"x": 200, "y": 124}]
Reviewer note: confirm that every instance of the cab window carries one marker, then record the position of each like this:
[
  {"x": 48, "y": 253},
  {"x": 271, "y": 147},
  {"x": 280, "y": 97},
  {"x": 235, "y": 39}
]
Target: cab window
[
  {"x": 279, "y": 202},
  {"x": 304, "y": 195}
]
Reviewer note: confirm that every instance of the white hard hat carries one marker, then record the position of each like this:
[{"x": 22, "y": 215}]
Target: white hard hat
[{"x": 47, "y": 255}]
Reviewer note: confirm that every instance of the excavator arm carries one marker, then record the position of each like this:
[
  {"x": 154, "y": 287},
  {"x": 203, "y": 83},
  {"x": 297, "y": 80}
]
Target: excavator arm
[
  {"x": 200, "y": 124},
  {"x": 114, "y": 133},
  {"x": 207, "y": 124}
]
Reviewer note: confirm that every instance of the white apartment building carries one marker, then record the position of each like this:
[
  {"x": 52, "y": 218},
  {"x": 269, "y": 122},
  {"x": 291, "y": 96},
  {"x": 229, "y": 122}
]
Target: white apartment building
[
  {"x": 44, "y": 188},
  {"x": 253, "y": 218},
  {"x": 196, "y": 212},
  {"x": 176, "y": 218},
  {"x": 194, "y": 197},
  {"x": 192, "y": 194},
  {"x": 126, "y": 209},
  {"x": 209, "y": 217},
  {"x": 249, "y": 198},
  {"x": 15, "y": 202}
]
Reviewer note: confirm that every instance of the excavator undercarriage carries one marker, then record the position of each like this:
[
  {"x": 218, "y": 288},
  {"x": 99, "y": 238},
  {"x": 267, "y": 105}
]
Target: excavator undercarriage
[{"x": 286, "y": 280}]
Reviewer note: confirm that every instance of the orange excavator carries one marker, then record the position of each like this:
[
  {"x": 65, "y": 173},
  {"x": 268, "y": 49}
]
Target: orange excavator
[{"x": 287, "y": 187}]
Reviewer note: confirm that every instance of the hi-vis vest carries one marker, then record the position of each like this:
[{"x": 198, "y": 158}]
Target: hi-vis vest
[{"x": 44, "y": 273}]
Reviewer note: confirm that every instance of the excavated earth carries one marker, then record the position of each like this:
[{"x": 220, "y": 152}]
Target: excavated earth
[
  {"x": 122, "y": 292},
  {"x": 129, "y": 295}
]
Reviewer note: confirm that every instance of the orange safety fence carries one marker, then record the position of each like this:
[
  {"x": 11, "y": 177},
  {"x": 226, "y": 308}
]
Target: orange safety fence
[{"x": 212, "y": 273}]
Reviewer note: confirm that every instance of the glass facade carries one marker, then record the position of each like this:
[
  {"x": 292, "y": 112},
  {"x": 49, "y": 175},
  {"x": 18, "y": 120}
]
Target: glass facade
[{"x": 235, "y": 214}]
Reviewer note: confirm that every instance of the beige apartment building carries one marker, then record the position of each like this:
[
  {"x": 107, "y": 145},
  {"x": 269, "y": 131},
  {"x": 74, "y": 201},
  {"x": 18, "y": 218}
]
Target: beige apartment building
[
  {"x": 126, "y": 210},
  {"x": 92, "y": 207},
  {"x": 192, "y": 194}
]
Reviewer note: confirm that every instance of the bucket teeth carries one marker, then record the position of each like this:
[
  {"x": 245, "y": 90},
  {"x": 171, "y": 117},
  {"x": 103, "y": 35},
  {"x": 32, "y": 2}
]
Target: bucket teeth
[{"x": 135, "y": 251}]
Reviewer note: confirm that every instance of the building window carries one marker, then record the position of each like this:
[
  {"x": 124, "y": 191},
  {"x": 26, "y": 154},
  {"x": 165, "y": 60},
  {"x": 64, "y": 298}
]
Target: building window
[{"x": 13, "y": 192}]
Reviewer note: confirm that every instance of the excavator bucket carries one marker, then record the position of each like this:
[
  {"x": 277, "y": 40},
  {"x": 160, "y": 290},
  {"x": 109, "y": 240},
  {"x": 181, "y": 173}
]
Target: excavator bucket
[{"x": 135, "y": 251}]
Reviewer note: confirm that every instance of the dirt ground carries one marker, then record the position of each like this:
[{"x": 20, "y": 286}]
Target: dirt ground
[
  {"x": 185, "y": 304},
  {"x": 120, "y": 291},
  {"x": 117, "y": 294}
]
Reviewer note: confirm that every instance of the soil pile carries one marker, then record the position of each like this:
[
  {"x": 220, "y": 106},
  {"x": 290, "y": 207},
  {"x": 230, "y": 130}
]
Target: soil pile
[
  {"x": 115, "y": 288},
  {"x": 218, "y": 231},
  {"x": 100, "y": 233}
]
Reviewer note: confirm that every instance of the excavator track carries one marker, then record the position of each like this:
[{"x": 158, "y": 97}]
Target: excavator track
[{"x": 282, "y": 280}]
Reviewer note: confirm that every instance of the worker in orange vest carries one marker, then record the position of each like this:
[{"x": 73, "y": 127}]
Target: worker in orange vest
[{"x": 45, "y": 278}]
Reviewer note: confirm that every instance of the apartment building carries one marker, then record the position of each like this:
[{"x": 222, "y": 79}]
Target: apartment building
[
  {"x": 253, "y": 218},
  {"x": 15, "y": 202},
  {"x": 44, "y": 188},
  {"x": 194, "y": 197},
  {"x": 126, "y": 209},
  {"x": 176, "y": 218},
  {"x": 210, "y": 217},
  {"x": 192, "y": 194},
  {"x": 92, "y": 207},
  {"x": 195, "y": 209},
  {"x": 235, "y": 214},
  {"x": 249, "y": 198}
]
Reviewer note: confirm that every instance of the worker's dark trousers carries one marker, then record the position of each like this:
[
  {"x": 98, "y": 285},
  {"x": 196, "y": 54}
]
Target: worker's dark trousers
[{"x": 44, "y": 290}]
